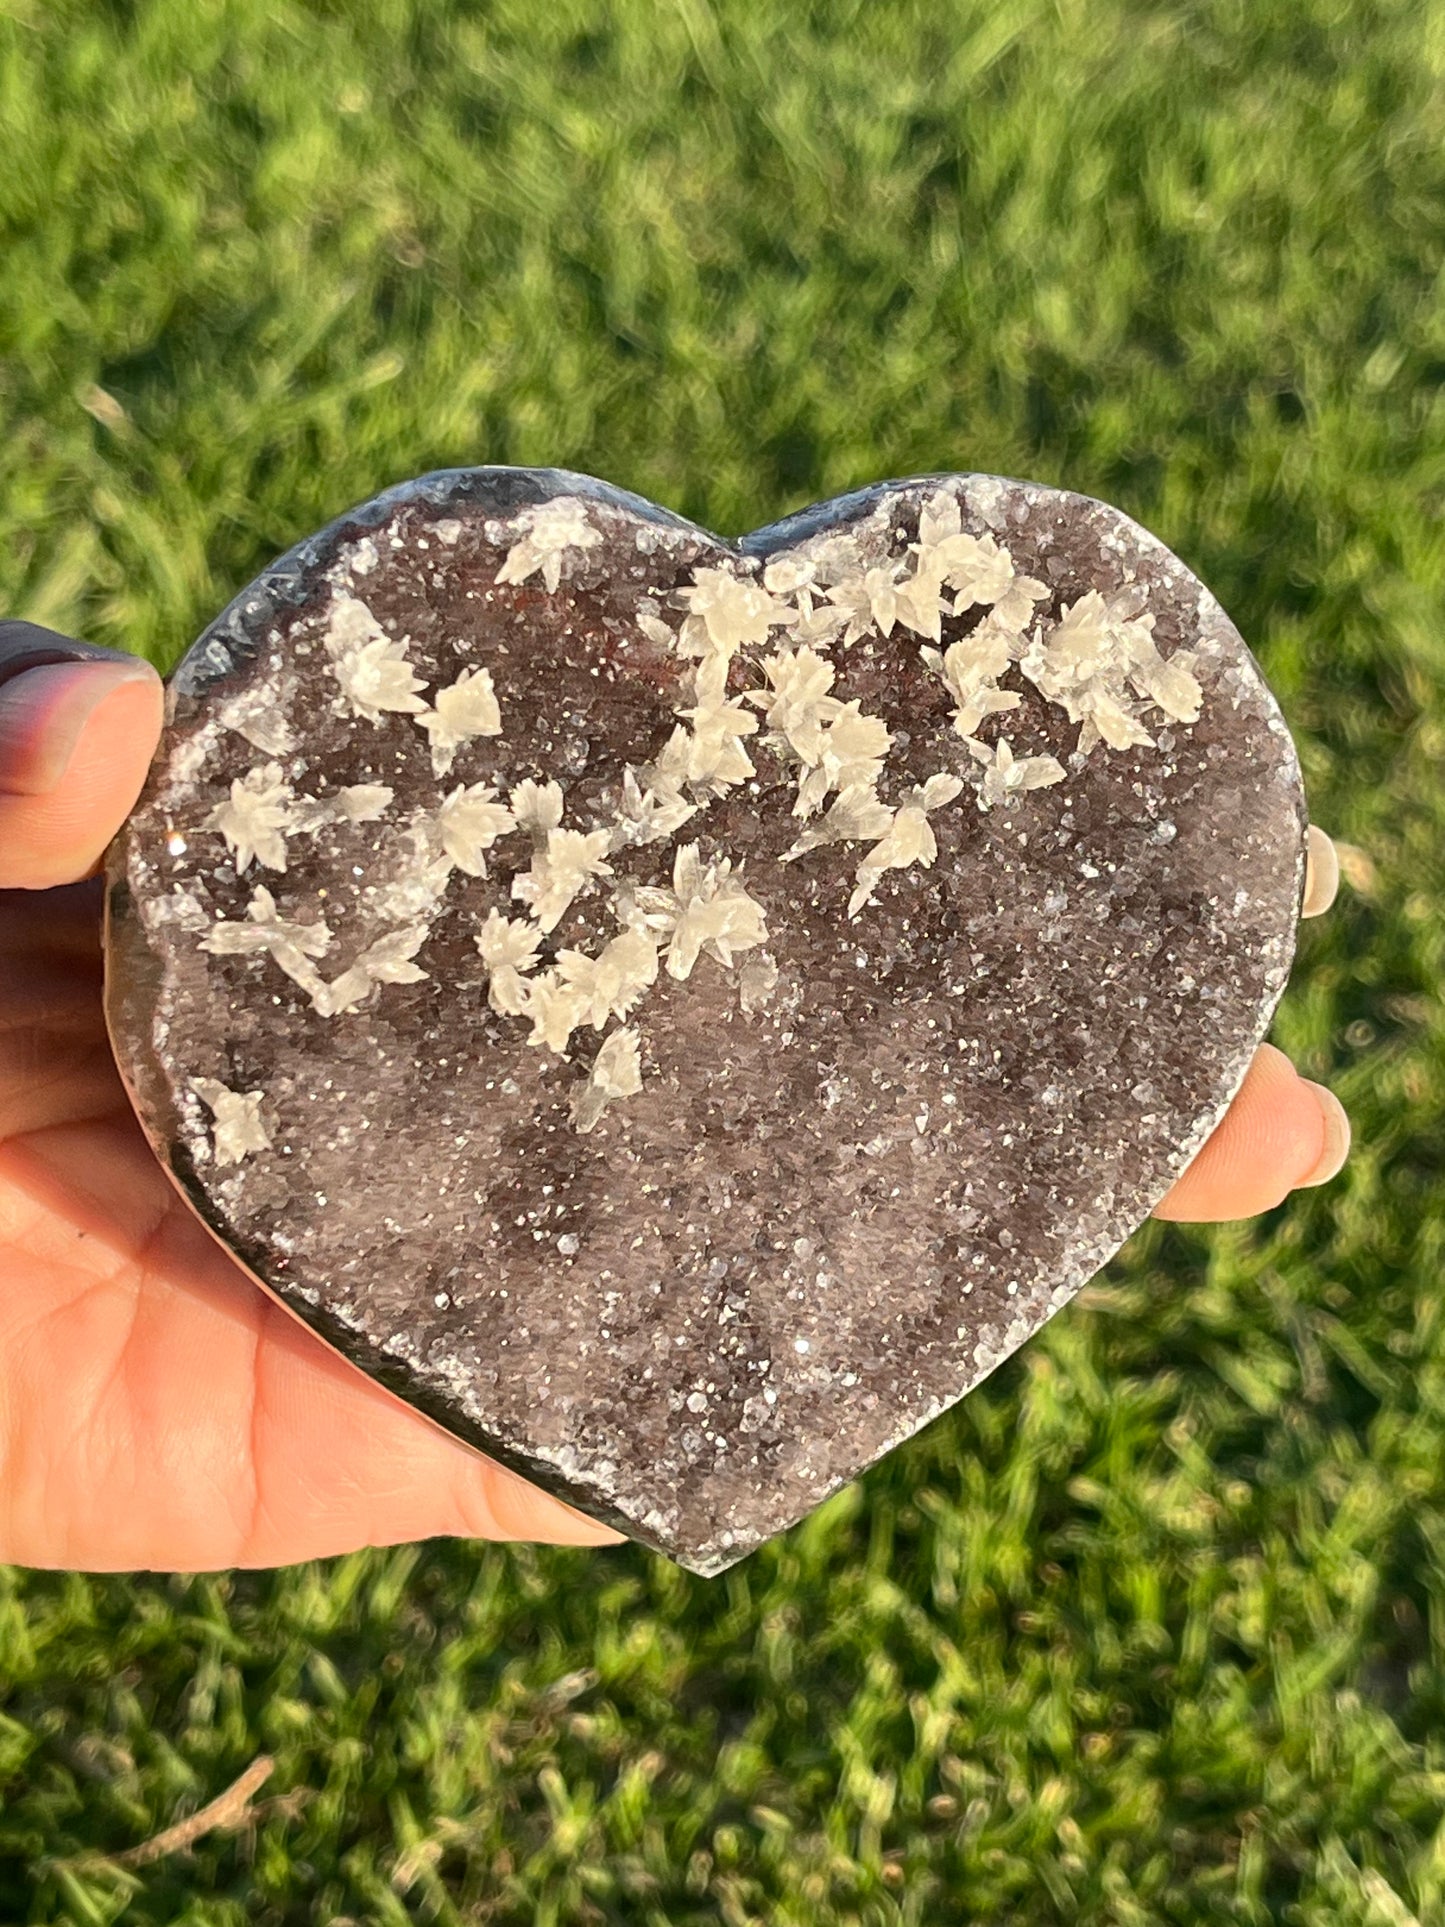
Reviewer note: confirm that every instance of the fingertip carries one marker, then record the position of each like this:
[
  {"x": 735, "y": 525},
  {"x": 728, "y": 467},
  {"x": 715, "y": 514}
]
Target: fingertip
[
  {"x": 1336, "y": 1146},
  {"x": 1278, "y": 1133},
  {"x": 76, "y": 741},
  {"x": 501, "y": 1504},
  {"x": 1322, "y": 873}
]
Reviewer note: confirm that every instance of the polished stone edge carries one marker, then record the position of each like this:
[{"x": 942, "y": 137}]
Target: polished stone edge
[{"x": 232, "y": 639}]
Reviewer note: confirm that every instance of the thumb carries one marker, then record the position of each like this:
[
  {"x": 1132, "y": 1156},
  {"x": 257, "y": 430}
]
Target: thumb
[{"x": 78, "y": 728}]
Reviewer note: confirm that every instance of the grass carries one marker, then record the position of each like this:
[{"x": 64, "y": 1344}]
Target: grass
[{"x": 1151, "y": 1629}]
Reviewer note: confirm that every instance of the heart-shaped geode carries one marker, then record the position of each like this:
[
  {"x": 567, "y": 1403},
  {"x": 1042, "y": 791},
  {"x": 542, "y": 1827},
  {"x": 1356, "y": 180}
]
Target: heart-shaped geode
[{"x": 681, "y": 1012}]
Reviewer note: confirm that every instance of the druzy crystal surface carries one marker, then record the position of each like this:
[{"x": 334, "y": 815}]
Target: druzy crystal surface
[{"x": 679, "y": 1011}]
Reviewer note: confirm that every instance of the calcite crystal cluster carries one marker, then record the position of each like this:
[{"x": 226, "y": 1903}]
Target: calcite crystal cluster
[{"x": 680, "y": 1011}]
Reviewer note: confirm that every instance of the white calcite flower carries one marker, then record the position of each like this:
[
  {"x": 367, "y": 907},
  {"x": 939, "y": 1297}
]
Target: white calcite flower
[
  {"x": 869, "y": 600},
  {"x": 508, "y": 947},
  {"x": 238, "y": 1127},
  {"x": 295, "y": 946},
  {"x": 717, "y": 915},
  {"x": 856, "y": 815},
  {"x": 463, "y": 710},
  {"x": 555, "y": 1008},
  {"x": 363, "y": 802},
  {"x": 817, "y": 623},
  {"x": 612, "y": 984},
  {"x": 617, "y": 1067},
  {"x": 649, "y": 815},
  {"x": 353, "y": 803},
  {"x": 1102, "y": 666},
  {"x": 548, "y": 532},
  {"x": 716, "y": 758},
  {"x": 976, "y": 566},
  {"x": 254, "y": 715},
  {"x": 1003, "y": 776},
  {"x": 734, "y": 613},
  {"x": 940, "y": 519},
  {"x": 1014, "y": 609},
  {"x": 419, "y": 870},
  {"x": 654, "y": 628},
  {"x": 264, "y": 929},
  {"x": 851, "y": 752},
  {"x": 255, "y": 818},
  {"x": 919, "y": 605},
  {"x": 798, "y": 703},
  {"x": 292, "y": 946},
  {"x": 1170, "y": 684},
  {"x": 933, "y": 794},
  {"x": 370, "y": 667},
  {"x": 787, "y": 573},
  {"x": 537, "y": 808},
  {"x": 946, "y": 552},
  {"x": 706, "y": 909},
  {"x": 561, "y": 870},
  {"x": 987, "y": 700},
  {"x": 469, "y": 821},
  {"x": 389, "y": 959},
  {"x": 616, "y": 1072},
  {"x": 668, "y": 769},
  {"x": 970, "y": 669},
  {"x": 909, "y": 839},
  {"x": 386, "y": 961}
]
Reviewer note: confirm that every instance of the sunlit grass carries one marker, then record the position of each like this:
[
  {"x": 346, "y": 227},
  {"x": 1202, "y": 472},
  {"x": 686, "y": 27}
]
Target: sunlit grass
[{"x": 1152, "y": 1628}]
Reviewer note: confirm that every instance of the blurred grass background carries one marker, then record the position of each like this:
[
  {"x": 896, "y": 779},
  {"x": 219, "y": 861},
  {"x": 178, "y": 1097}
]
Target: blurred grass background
[{"x": 1152, "y": 1628}]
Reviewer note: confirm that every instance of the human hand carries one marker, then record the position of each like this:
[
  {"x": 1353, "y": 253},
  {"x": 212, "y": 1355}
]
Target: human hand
[
  {"x": 1283, "y": 1132},
  {"x": 157, "y": 1408}
]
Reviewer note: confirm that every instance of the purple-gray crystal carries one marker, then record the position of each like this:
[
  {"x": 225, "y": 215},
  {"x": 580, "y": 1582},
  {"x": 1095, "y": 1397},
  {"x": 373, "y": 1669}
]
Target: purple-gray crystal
[{"x": 681, "y": 1012}]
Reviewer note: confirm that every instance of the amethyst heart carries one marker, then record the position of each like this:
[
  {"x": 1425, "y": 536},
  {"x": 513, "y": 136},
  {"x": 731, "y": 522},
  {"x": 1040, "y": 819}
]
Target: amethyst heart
[{"x": 681, "y": 1012}]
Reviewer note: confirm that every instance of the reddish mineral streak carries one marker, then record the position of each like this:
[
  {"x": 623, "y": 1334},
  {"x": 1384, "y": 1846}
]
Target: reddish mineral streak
[{"x": 837, "y": 1200}]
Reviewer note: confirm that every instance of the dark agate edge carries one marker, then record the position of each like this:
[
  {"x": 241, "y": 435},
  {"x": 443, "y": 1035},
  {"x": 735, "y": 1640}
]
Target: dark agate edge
[{"x": 854, "y": 1194}]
